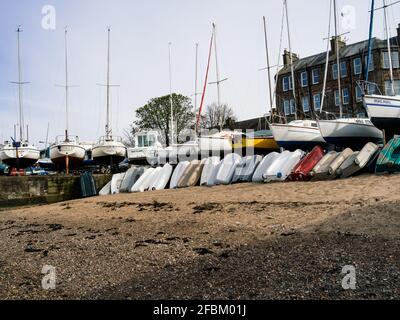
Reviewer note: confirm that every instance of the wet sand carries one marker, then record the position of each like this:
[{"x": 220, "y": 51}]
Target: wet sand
[{"x": 247, "y": 241}]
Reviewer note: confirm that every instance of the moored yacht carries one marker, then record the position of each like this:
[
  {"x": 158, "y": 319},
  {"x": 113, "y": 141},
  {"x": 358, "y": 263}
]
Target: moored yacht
[
  {"x": 66, "y": 152},
  {"x": 19, "y": 154},
  {"x": 109, "y": 150},
  {"x": 298, "y": 134},
  {"x": 384, "y": 111},
  {"x": 350, "y": 132}
]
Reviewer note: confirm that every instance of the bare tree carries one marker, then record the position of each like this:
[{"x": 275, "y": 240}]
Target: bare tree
[{"x": 218, "y": 117}]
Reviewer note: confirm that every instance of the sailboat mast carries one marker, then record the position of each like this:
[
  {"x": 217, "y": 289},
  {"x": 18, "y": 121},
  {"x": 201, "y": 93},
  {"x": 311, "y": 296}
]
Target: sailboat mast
[
  {"x": 268, "y": 65},
  {"x": 338, "y": 59},
  {"x": 389, "y": 47},
  {"x": 371, "y": 26},
  {"x": 326, "y": 59},
  {"x": 291, "y": 56},
  {"x": 108, "y": 127},
  {"x": 195, "y": 82},
  {"x": 21, "y": 112},
  {"x": 66, "y": 87},
  {"x": 216, "y": 65},
  {"x": 170, "y": 93}
]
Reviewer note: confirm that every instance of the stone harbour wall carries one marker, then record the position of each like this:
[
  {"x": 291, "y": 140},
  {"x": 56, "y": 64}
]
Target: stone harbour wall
[{"x": 29, "y": 190}]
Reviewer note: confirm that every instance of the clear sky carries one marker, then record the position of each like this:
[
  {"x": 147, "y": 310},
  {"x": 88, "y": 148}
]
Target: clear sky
[{"x": 141, "y": 31}]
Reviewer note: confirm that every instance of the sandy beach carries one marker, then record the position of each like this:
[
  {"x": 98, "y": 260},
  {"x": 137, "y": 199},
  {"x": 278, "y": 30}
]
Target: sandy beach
[{"x": 246, "y": 241}]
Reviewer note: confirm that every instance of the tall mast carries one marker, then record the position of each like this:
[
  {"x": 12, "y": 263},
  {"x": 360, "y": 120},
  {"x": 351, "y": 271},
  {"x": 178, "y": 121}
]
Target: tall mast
[
  {"x": 20, "y": 97},
  {"x": 216, "y": 64},
  {"x": 170, "y": 93},
  {"x": 195, "y": 82},
  {"x": 218, "y": 82},
  {"x": 291, "y": 57},
  {"x": 389, "y": 47},
  {"x": 108, "y": 126},
  {"x": 326, "y": 59},
  {"x": 66, "y": 86},
  {"x": 371, "y": 26},
  {"x": 268, "y": 66},
  {"x": 338, "y": 59}
]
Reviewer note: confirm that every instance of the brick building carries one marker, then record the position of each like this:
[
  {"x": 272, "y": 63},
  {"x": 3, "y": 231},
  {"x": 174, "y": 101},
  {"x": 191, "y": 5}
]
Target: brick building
[{"x": 309, "y": 78}]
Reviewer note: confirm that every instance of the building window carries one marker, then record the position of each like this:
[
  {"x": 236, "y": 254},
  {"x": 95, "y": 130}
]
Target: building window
[
  {"x": 371, "y": 88},
  {"x": 304, "y": 79},
  {"x": 306, "y": 104},
  {"x": 337, "y": 102},
  {"x": 388, "y": 88},
  {"x": 395, "y": 60},
  {"x": 371, "y": 63},
  {"x": 317, "y": 102},
  {"x": 287, "y": 83},
  {"x": 343, "y": 69},
  {"x": 334, "y": 71},
  {"x": 292, "y": 106},
  {"x": 346, "y": 96},
  {"x": 286, "y": 107},
  {"x": 315, "y": 76},
  {"x": 359, "y": 94},
  {"x": 357, "y": 66}
]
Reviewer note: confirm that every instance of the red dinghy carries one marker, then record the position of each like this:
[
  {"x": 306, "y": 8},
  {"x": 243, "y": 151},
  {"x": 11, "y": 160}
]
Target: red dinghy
[{"x": 302, "y": 171}]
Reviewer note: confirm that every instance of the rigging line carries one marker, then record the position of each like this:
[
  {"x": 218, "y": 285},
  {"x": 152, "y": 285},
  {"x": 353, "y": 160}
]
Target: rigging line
[
  {"x": 279, "y": 59},
  {"x": 327, "y": 59}
]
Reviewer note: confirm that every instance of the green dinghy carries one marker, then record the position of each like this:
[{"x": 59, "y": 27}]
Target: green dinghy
[{"x": 389, "y": 158}]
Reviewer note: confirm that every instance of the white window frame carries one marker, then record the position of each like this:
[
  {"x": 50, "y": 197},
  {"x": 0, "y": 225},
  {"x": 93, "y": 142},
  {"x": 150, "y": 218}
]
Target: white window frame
[
  {"x": 286, "y": 85},
  {"x": 388, "y": 87},
  {"x": 315, "y": 72},
  {"x": 337, "y": 98},
  {"x": 357, "y": 66},
  {"x": 359, "y": 93},
  {"x": 348, "y": 96},
  {"x": 395, "y": 60},
  {"x": 371, "y": 63},
  {"x": 317, "y": 108},
  {"x": 286, "y": 107},
  {"x": 304, "y": 79},
  {"x": 306, "y": 108},
  {"x": 335, "y": 72},
  {"x": 343, "y": 74},
  {"x": 293, "y": 107}
]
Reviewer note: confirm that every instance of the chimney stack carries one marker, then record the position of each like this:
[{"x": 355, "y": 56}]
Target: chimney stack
[
  {"x": 342, "y": 44},
  {"x": 286, "y": 58}
]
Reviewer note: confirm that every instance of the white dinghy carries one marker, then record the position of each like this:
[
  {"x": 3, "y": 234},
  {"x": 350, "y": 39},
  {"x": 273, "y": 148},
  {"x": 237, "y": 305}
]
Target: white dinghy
[
  {"x": 321, "y": 170},
  {"x": 271, "y": 173},
  {"x": 144, "y": 181},
  {"x": 116, "y": 182},
  {"x": 338, "y": 161},
  {"x": 131, "y": 176},
  {"x": 106, "y": 190},
  {"x": 289, "y": 164},
  {"x": 359, "y": 161},
  {"x": 213, "y": 178},
  {"x": 246, "y": 168},
  {"x": 162, "y": 177},
  {"x": 208, "y": 170},
  {"x": 227, "y": 169},
  {"x": 262, "y": 168},
  {"x": 179, "y": 170}
]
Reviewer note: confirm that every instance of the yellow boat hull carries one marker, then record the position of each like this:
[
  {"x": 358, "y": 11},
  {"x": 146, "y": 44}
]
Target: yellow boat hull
[{"x": 267, "y": 144}]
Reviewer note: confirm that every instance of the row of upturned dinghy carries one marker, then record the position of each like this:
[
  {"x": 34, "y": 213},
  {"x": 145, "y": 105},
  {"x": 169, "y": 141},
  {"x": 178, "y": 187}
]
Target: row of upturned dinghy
[{"x": 286, "y": 166}]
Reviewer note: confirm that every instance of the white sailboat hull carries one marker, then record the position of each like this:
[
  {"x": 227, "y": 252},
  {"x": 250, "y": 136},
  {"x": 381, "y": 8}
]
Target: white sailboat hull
[
  {"x": 354, "y": 133},
  {"x": 383, "y": 111},
  {"x": 109, "y": 152},
  {"x": 293, "y": 137},
  {"x": 27, "y": 156},
  {"x": 59, "y": 152}
]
